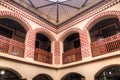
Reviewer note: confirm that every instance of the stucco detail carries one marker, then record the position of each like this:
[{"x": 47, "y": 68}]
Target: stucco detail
[
  {"x": 46, "y": 33},
  {"x": 76, "y": 21},
  {"x": 85, "y": 46},
  {"x": 84, "y": 41},
  {"x": 34, "y": 18},
  {"x": 52, "y": 39},
  {"x": 102, "y": 14},
  {"x": 81, "y": 17},
  {"x": 17, "y": 16},
  {"x": 67, "y": 33},
  {"x": 30, "y": 44},
  {"x": 31, "y": 37}
]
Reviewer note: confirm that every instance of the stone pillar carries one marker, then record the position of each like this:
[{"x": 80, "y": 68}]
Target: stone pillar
[{"x": 30, "y": 44}]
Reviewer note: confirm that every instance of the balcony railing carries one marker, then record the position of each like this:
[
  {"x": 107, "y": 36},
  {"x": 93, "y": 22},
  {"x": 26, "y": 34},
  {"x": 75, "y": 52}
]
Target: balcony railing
[
  {"x": 106, "y": 45},
  {"x": 43, "y": 56},
  {"x": 10, "y": 46},
  {"x": 72, "y": 55}
]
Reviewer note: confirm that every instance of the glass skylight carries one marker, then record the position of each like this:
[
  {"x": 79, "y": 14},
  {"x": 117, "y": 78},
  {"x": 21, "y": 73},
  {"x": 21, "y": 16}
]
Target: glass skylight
[{"x": 57, "y": 0}]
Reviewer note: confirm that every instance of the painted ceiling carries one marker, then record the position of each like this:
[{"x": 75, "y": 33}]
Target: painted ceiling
[{"x": 58, "y": 12}]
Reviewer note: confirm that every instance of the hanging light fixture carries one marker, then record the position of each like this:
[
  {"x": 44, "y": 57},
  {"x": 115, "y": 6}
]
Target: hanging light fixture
[{"x": 2, "y": 72}]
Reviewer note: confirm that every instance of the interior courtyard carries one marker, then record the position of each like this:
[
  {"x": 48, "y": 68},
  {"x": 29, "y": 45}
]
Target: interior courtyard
[{"x": 59, "y": 39}]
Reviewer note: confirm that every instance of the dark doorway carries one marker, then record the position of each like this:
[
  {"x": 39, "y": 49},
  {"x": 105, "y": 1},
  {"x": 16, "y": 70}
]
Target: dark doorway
[
  {"x": 111, "y": 73},
  {"x": 42, "y": 77},
  {"x": 73, "y": 76},
  {"x": 6, "y": 74}
]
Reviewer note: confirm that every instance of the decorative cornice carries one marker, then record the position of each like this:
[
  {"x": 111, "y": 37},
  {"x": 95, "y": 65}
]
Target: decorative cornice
[
  {"x": 69, "y": 31},
  {"x": 18, "y": 17},
  {"x": 19, "y": 10},
  {"x": 89, "y": 14},
  {"x": 46, "y": 32},
  {"x": 77, "y": 19},
  {"x": 103, "y": 14}
]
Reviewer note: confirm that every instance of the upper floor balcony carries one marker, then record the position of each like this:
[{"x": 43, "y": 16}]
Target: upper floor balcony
[
  {"x": 105, "y": 37},
  {"x": 106, "y": 45},
  {"x": 43, "y": 49},
  {"x": 43, "y": 56},
  {"x": 72, "y": 55},
  {"x": 72, "y": 49},
  {"x": 10, "y": 46},
  {"x": 12, "y": 37}
]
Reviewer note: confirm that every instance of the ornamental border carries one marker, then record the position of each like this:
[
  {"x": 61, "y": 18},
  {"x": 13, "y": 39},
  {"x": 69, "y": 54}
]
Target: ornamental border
[
  {"x": 102, "y": 14},
  {"x": 67, "y": 25},
  {"x": 17, "y": 16}
]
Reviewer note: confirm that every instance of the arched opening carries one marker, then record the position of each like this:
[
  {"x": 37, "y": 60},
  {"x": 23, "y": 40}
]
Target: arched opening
[
  {"x": 43, "y": 42},
  {"x": 72, "y": 50},
  {"x": 104, "y": 29},
  {"x": 42, "y": 77},
  {"x": 110, "y": 73},
  {"x": 73, "y": 41},
  {"x": 12, "y": 37},
  {"x": 104, "y": 36},
  {"x": 8, "y": 74},
  {"x": 73, "y": 76},
  {"x": 43, "y": 48}
]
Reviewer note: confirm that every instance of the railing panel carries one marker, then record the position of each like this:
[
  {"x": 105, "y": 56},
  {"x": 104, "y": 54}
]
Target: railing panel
[
  {"x": 4, "y": 47},
  {"x": 12, "y": 47},
  {"x": 43, "y": 56},
  {"x": 17, "y": 51},
  {"x": 106, "y": 45},
  {"x": 72, "y": 55}
]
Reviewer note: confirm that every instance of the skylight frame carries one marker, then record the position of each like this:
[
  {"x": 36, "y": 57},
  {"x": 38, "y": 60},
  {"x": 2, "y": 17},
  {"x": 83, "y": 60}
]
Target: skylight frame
[{"x": 57, "y": 0}]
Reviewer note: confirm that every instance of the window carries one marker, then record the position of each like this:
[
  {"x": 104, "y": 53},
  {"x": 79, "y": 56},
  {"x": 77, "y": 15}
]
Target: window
[
  {"x": 108, "y": 30},
  {"x": 6, "y": 32},
  {"x": 76, "y": 43}
]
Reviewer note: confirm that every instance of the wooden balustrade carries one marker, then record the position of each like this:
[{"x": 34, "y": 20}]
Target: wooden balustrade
[
  {"x": 106, "y": 45},
  {"x": 72, "y": 55},
  {"x": 43, "y": 56},
  {"x": 11, "y": 46}
]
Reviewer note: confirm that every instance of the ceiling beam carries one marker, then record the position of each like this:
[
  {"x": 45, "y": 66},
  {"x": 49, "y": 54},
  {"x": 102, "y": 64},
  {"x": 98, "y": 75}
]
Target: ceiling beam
[
  {"x": 31, "y": 3},
  {"x": 84, "y": 3},
  {"x": 57, "y": 20}
]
